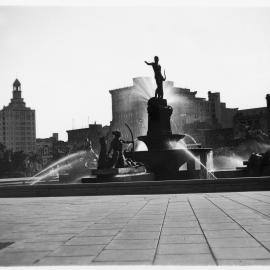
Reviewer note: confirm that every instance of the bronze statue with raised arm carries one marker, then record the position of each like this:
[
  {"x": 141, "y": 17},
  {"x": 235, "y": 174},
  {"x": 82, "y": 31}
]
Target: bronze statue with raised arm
[{"x": 158, "y": 77}]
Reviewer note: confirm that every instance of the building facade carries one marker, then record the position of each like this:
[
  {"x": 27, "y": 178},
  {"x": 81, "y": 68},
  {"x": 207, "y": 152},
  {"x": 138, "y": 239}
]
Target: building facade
[
  {"x": 77, "y": 138},
  {"x": 51, "y": 149},
  {"x": 191, "y": 115},
  {"x": 252, "y": 119},
  {"x": 18, "y": 123}
]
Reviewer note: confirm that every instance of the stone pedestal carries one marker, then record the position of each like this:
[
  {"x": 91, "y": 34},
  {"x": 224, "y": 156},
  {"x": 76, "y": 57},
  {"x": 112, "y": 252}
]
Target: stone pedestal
[
  {"x": 159, "y": 134},
  {"x": 159, "y": 114}
]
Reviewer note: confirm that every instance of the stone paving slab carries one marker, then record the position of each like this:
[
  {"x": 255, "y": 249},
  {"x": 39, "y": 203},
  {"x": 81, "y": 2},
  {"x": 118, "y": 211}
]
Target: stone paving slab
[
  {"x": 126, "y": 255},
  {"x": 77, "y": 251},
  {"x": 183, "y": 249},
  {"x": 177, "y": 229},
  {"x": 244, "y": 262},
  {"x": 241, "y": 253},
  {"x": 90, "y": 240},
  {"x": 241, "y": 242},
  {"x": 133, "y": 244},
  {"x": 182, "y": 239},
  {"x": 79, "y": 260},
  {"x": 197, "y": 259}
]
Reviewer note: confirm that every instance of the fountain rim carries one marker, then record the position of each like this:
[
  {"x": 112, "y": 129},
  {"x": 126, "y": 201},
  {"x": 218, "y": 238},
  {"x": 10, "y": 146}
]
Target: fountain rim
[
  {"x": 206, "y": 149},
  {"x": 180, "y": 136}
]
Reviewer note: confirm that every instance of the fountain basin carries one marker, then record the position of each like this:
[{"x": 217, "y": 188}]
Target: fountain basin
[
  {"x": 165, "y": 164},
  {"x": 162, "y": 142}
]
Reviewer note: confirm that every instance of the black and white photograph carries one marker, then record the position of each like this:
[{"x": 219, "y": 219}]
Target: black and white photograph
[{"x": 134, "y": 133}]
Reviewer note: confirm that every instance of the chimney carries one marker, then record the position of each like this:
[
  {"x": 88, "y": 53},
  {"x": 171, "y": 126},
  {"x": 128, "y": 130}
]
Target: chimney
[{"x": 268, "y": 101}]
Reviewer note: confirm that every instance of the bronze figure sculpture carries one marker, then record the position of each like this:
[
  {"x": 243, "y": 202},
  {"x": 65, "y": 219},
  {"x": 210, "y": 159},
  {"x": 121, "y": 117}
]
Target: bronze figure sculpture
[{"x": 158, "y": 77}]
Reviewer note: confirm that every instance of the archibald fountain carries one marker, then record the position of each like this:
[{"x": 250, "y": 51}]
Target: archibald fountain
[{"x": 163, "y": 158}]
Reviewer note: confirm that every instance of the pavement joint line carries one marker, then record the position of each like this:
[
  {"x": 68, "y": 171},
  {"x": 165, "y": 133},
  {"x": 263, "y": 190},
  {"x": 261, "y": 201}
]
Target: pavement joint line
[
  {"x": 261, "y": 193},
  {"x": 211, "y": 251},
  {"x": 187, "y": 254},
  {"x": 63, "y": 243},
  {"x": 240, "y": 225},
  {"x": 250, "y": 197},
  {"x": 255, "y": 210},
  {"x": 157, "y": 246},
  {"x": 265, "y": 195},
  {"x": 253, "y": 198},
  {"x": 105, "y": 216},
  {"x": 120, "y": 231}
]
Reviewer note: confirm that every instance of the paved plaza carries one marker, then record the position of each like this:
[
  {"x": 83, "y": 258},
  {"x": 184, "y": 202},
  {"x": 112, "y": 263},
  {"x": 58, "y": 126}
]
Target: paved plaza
[{"x": 183, "y": 229}]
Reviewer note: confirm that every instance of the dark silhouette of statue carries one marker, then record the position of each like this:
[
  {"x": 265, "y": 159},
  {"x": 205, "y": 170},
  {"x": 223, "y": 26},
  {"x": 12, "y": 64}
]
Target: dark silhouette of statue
[
  {"x": 103, "y": 158},
  {"x": 158, "y": 77},
  {"x": 118, "y": 159}
]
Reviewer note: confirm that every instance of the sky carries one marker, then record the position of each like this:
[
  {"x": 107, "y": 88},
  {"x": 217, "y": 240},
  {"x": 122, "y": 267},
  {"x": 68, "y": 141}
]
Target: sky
[{"x": 68, "y": 57}]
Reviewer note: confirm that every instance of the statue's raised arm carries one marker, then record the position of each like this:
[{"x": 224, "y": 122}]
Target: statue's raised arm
[
  {"x": 148, "y": 63},
  {"x": 158, "y": 77}
]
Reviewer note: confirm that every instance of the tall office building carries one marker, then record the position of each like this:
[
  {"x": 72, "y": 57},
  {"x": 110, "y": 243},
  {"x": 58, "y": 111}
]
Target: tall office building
[{"x": 18, "y": 124}]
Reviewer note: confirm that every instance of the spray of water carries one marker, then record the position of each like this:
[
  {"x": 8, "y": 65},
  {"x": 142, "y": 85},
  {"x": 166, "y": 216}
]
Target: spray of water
[
  {"x": 50, "y": 174},
  {"x": 210, "y": 163},
  {"x": 191, "y": 138},
  {"x": 182, "y": 145},
  {"x": 177, "y": 145},
  {"x": 69, "y": 162},
  {"x": 210, "y": 175},
  {"x": 174, "y": 126},
  {"x": 228, "y": 162},
  {"x": 59, "y": 162},
  {"x": 173, "y": 98},
  {"x": 144, "y": 88},
  {"x": 140, "y": 146}
]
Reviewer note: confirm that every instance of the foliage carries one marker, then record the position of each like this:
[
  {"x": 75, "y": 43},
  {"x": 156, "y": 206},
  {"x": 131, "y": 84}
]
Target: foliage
[{"x": 15, "y": 164}]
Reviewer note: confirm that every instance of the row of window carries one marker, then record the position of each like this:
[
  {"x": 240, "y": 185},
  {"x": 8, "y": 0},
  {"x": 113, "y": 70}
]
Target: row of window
[
  {"x": 24, "y": 143},
  {"x": 19, "y": 116},
  {"x": 19, "y": 135}
]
